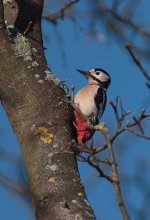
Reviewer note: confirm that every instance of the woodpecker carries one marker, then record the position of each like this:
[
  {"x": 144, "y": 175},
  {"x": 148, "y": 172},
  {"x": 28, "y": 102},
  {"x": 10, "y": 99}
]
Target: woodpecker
[{"x": 91, "y": 102}]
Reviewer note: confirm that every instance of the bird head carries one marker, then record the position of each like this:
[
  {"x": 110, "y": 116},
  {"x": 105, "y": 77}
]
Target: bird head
[{"x": 97, "y": 76}]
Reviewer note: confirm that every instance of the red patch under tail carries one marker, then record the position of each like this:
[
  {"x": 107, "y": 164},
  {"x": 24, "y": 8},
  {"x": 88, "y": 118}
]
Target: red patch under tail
[{"x": 82, "y": 134}]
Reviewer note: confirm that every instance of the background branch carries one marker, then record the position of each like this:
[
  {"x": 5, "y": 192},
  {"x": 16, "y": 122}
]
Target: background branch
[
  {"x": 60, "y": 14},
  {"x": 132, "y": 50}
]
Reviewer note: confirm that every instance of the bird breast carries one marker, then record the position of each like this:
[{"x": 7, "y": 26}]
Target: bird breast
[{"x": 84, "y": 100}]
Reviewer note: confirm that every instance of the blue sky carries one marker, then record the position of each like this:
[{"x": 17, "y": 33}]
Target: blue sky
[{"x": 75, "y": 51}]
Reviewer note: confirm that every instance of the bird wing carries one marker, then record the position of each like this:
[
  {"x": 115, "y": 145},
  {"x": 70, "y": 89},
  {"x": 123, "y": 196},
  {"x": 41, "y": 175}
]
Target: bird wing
[{"x": 100, "y": 102}]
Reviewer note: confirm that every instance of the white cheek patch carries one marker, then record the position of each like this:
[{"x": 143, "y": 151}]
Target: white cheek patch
[{"x": 104, "y": 77}]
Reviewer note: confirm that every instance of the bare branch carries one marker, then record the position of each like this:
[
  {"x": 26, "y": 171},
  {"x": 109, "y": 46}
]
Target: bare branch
[
  {"x": 95, "y": 164},
  {"x": 138, "y": 134},
  {"x": 115, "y": 106},
  {"x": 52, "y": 17},
  {"x": 138, "y": 124},
  {"x": 70, "y": 4},
  {"x": 132, "y": 50},
  {"x": 108, "y": 162},
  {"x": 12, "y": 186},
  {"x": 125, "y": 20},
  {"x": 130, "y": 23},
  {"x": 72, "y": 96},
  {"x": 116, "y": 182}
]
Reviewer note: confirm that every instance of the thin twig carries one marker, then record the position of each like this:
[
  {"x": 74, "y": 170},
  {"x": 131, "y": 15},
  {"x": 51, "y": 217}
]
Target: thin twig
[
  {"x": 94, "y": 164},
  {"x": 70, "y": 4},
  {"x": 108, "y": 162},
  {"x": 80, "y": 148},
  {"x": 28, "y": 27},
  {"x": 12, "y": 186},
  {"x": 52, "y": 17},
  {"x": 116, "y": 182},
  {"x": 138, "y": 134},
  {"x": 115, "y": 106},
  {"x": 72, "y": 96},
  {"x": 138, "y": 124},
  {"x": 123, "y": 19},
  {"x": 132, "y": 50},
  {"x": 64, "y": 81},
  {"x": 121, "y": 118}
]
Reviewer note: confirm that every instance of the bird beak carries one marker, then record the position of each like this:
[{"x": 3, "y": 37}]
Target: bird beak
[{"x": 85, "y": 73}]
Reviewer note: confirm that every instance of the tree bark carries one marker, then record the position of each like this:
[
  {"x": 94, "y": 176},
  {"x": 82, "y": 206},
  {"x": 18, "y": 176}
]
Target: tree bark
[{"x": 31, "y": 96}]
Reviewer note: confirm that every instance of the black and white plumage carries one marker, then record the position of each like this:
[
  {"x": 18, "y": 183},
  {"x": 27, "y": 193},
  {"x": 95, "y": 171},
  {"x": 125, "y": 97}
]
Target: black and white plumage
[
  {"x": 100, "y": 101},
  {"x": 91, "y": 99}
]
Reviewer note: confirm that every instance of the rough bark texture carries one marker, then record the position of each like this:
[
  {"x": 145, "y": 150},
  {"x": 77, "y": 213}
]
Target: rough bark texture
[{"x": 42, "y": 123}]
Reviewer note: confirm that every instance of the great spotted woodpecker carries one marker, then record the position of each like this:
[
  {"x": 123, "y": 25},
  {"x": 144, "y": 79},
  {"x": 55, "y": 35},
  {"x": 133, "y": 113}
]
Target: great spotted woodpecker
[{"x": 91, "y": 102}]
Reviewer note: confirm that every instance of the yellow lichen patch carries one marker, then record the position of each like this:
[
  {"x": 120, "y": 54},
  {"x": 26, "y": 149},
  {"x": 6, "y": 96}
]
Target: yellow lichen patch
[
  {"x": 47, "y": 138},
  {"x": 80, "y": 194},
  {"x": 45, "y": 135},
  {"x": 40, "y": 130},
  {"x": 52, "y": 180},
  {"x": 101, "y": 127},
  {"x": 40, "y": 81}
]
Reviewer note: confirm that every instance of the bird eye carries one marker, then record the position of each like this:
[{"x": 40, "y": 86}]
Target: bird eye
[{"x": 97, "y": 73}]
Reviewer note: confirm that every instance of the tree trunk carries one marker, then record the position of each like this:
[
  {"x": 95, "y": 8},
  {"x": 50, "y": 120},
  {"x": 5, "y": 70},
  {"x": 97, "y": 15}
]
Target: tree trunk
[{"x": 32, "y": 95}]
